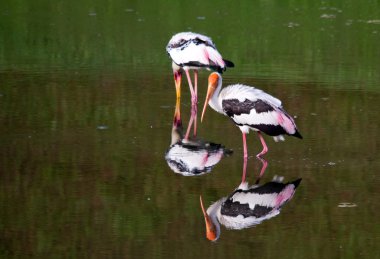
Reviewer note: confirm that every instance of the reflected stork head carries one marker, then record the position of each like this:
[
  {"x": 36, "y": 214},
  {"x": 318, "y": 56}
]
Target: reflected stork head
[{"x": 212, "y": 225}]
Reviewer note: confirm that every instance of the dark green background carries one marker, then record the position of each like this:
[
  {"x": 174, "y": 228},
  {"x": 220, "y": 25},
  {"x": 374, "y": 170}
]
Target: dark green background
[{"x": 86, "y": 103}]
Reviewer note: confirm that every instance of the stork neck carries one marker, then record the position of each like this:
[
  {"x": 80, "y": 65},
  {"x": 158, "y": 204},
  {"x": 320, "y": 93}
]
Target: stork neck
[
  {"x": 214, "y": 213},
  {"x": 176, "y": 135},
  {"x": 215, "y": 102},
  {"x": 175, "y": 67}
]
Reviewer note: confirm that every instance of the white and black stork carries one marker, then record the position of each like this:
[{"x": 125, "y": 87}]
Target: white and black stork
[
  {"x": 189, "y": 50},
  {"x": 248, "y": 206},
  {"x": 250, "y": 109}
]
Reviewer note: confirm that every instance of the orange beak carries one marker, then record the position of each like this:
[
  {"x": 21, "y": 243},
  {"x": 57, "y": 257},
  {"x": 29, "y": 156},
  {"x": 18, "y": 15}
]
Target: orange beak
[
  {"x": 177, "y": 114},
  {"x": 177, "y": 81},
  {"x": 213, "y": 80},
  {"x": 210, "y": 228}
]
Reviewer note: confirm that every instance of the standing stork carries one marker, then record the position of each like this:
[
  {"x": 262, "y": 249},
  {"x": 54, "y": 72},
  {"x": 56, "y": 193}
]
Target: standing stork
[
  {"x": 250, "y": 109},
  {"x": 248, "y": 206},
  {"x": 189, "y": 50}
]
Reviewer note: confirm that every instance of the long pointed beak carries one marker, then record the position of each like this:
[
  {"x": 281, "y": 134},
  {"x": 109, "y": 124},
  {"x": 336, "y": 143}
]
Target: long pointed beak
[
  {"x": 177, "y": 114},
  {"x": 210, "y": 228},
  {"x": 210, "y": 92},
  {"x": 177, "y": 81}
]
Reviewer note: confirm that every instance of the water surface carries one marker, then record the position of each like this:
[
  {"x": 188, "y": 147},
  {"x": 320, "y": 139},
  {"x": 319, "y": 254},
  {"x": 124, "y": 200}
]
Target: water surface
[{"x": 86, "y": 107}]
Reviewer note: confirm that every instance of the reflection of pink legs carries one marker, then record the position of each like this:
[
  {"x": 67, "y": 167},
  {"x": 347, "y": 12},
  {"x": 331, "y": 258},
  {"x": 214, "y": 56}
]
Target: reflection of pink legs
[
  {"x": 194, "y": 101},
  {"x": 262, "y": 160},
  {"x": 244, "y": 175},
  {"x": 263, "y": 168},
  {"x": 194, "y": 107},
  {"x": 191, "y": 121},
  {"x": 245, "y": 158},
  {"x": 265, "y": 148},
  {"x": 196, "y": 86},
  {"x": 194, "y": 111}
]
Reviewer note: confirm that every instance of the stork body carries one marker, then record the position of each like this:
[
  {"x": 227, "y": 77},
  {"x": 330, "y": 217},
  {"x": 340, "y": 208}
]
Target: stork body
[
  {"x": 248, "y": 206},
  {"x": 250, "y": 109},
  {"x": 189, "y": 50},
  {"x": 194, "y": 158}
]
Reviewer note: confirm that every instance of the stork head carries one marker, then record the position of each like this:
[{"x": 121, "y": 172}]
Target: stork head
[
  {"x": 211, "y": 229},
  {"x": 214, "y": 80}
]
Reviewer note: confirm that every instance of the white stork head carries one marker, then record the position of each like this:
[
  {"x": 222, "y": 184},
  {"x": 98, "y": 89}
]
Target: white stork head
[
  {"x": 214, "y": 83},
  {"x": 212, "y": 224}
]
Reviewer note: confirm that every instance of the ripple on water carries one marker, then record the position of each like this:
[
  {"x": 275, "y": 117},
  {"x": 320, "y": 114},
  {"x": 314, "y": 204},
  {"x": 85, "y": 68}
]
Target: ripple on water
[{"x": 347, "y": 205}]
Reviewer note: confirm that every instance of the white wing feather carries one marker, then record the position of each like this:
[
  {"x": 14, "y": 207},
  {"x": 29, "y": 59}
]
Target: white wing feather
[
  {"x": 242, "y": 92},
  {"x": 205, "y": 54}
]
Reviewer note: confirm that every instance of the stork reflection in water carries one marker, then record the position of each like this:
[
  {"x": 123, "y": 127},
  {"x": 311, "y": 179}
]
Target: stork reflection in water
[
  {"x": 248, "y": 206},
  {"x": 191, "y": 156}
]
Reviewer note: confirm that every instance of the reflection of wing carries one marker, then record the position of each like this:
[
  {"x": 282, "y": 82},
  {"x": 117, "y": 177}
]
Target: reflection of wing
[
  {"x": 196, "y": 158},
  {"x": 246, "y": 207}
]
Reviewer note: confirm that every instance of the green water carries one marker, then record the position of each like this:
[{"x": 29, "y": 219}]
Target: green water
[{"x": 86, "y": 106}]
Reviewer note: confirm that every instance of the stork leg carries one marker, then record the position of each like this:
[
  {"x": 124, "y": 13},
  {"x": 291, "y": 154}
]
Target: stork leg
[
  {"x": 243, "y": 177},
  {"x": 196, "y": 86},
  {"x": 245, "y": 146},
  {"x": 265, "y": 148},
  {"x": 193, "y": 94},
  {"x": 195, "y": 107},
  {"x": 264, "y": 166},
  {"x": 194, "y": 111},
  {"x": 191, "y": 121}
]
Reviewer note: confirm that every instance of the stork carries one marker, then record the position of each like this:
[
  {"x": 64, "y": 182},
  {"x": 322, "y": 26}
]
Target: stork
[
  {"x": 248, "y": 206},
  {"x": 250, "y": 109},
  {"x": 189, "y": 50}
]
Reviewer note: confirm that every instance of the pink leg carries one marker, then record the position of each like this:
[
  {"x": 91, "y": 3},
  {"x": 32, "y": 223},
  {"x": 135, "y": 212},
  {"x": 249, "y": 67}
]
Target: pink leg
[
  {"x": 194, "y": 108},
  {"x": 265, "y": 148},
  {"x": 196, "y": 86},
  {"x": 263, "y": 168},
  {"x": 193, "y": 94},
  {"x": 194, "y": 114},
  {"x": 191, "y": 121},
  {"x": 243, "y": 177},
  {"x": 245, "y": 146}
]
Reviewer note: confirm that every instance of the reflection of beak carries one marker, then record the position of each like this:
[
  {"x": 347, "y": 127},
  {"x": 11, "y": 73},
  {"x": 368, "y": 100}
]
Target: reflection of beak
[
  {"x": 210, "y": 228},
  {"x": 210, "y": 91},
  {"x": 177, "y": 80},
  {"x": 177, "y": 114}
]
